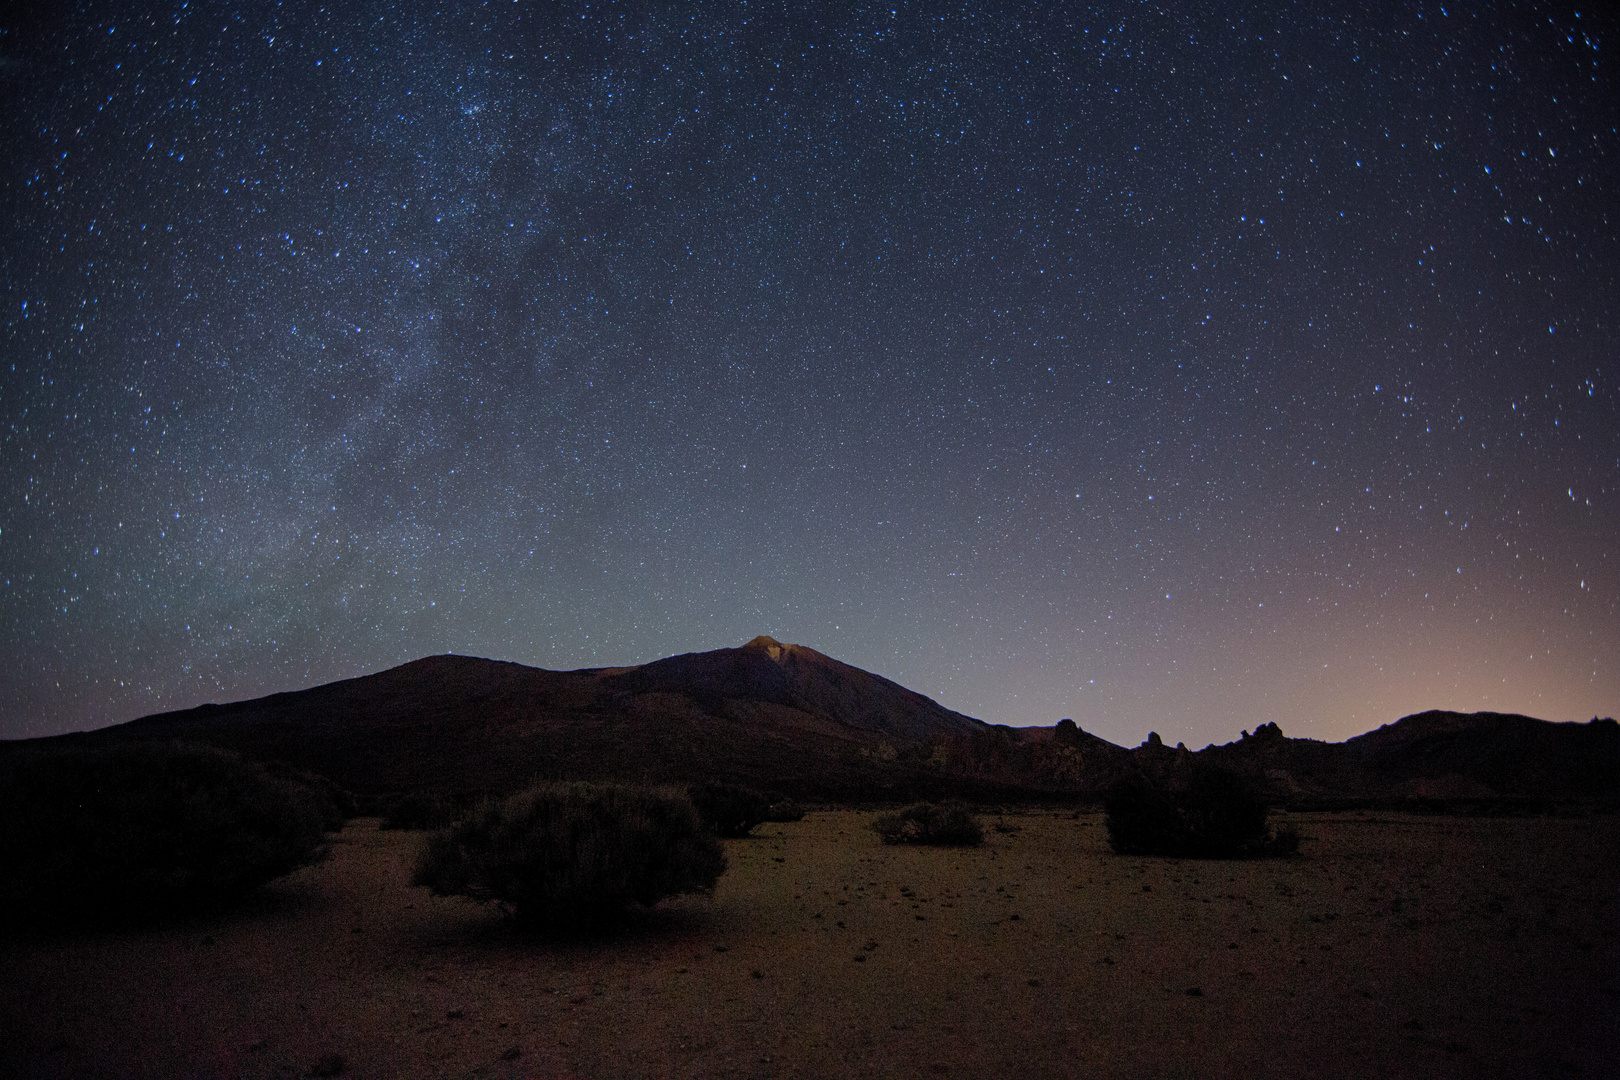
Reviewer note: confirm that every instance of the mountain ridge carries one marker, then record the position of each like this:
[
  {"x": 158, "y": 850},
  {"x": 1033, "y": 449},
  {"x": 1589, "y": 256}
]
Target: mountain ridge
[{"x": 789, "y": 718}]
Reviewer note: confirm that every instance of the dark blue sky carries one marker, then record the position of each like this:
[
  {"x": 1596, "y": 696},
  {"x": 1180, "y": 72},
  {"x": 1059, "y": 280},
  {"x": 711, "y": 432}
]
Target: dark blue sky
[{"x": 1162, "y": 367}]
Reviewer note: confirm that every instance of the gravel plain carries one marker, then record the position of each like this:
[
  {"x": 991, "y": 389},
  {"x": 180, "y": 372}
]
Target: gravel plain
[{"x": 1392, "y": 945}]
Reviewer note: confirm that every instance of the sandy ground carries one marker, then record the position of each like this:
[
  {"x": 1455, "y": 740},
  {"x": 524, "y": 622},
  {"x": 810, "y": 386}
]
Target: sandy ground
[{"x": 1392, "y": 946}]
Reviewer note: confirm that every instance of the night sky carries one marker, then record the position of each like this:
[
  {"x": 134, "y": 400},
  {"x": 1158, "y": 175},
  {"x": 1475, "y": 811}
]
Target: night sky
[{"x": 1149, "y": 365}]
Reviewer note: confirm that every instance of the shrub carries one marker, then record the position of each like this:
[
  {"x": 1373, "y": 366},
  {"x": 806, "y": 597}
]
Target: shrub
[
  {"x": 785, "y": 811},
  {"x": 728, "y": 809},
  {"x": 127, "y": 833},
  {"x": 924, "y": 823},
  {"x": 418, "y": 810},
  {"x": 1284, "y": 841},
  {"x": 1142, "y": 820},
  {"x": 561, "y": 856},
  {"x": 336, "y": 804},
  {"x": 1219, "y": 816}
]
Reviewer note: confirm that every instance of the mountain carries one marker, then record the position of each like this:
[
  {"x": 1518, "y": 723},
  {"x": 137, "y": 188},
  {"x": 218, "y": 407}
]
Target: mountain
[
  {"x": 1504, "y": 754},
  {"x": 1434, "y": 756},
  {"x": 787, "y": 718},
  {"x": 770, "y": 715},
  {"x": 794, "y": 677}
]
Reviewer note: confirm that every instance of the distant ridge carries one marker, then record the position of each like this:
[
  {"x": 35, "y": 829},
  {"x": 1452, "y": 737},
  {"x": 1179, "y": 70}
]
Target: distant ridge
[
  {"x": 773, "y": 715},
  {"x": 787, "y": 718},
  {"x": 1438, "y": 756}
]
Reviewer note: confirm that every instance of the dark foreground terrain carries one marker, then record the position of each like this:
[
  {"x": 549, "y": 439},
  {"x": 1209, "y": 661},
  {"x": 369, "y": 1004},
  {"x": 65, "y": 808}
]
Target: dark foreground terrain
[{"x": 1392, "y": 945}]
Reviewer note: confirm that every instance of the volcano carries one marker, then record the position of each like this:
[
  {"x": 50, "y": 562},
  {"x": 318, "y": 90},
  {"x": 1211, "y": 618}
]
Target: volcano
[
  {"x": 788, "y": 719},
  {"x": 767, "y": 714}
]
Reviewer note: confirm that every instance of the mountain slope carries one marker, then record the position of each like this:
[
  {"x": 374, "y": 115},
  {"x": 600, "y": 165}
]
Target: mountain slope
[
  {"x": 796, "y": 677},
  {"x": 788, "y": 718},
  {"x": 768, "y": 714}
]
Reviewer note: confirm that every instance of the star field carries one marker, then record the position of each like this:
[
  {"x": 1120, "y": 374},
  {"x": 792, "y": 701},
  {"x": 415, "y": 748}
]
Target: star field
[{"x": 1157, "y": 367}]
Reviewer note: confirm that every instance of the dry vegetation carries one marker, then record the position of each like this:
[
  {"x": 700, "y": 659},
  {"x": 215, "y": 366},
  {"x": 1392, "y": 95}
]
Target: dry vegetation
[{"x": 1391, "y": 946}]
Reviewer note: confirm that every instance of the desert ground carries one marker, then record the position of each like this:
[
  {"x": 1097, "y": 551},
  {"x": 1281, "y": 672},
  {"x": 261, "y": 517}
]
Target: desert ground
[{"x": 1392, "y": 945}]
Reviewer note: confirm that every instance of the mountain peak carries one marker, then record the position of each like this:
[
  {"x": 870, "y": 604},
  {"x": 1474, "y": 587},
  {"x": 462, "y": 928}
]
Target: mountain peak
[{"x": 768, "y": 645}]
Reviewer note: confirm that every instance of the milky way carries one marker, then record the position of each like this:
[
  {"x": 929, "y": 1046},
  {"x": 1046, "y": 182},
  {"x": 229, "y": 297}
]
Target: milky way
[{"x": 1153, "y": 366}]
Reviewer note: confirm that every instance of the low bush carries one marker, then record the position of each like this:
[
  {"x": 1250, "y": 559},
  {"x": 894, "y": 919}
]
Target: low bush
[
  {"x": 1284, "y": 841},
  {"x": 730, "y": 810},
  {"x": 924, "y": 823},
  {"x": 785, "y": 811},
  {"x": 418, "y": 810},
  {"x": 131, "y": 832},
  {"x": 1219, "y": 816},
  {"x": 1143, "y": 820},
  {"x": 566, "y": 856},
  {"x": 336, "y": 804}
]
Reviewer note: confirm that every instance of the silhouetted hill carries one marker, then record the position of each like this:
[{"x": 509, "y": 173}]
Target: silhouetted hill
[
  {"x": 1505, "y": 754},
  {"x": 1442, "y": 756},
  {"x": 1481, "y": 759},
  {"x": 765, "y": 671},
  {"x": 787, "y": 718},
  {"x": 774, "y": 716}
]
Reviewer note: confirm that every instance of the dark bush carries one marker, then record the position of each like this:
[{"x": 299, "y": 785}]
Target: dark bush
[
  {"x": 1220, "y": 815},
  {"x": 924, "y": 823},
  {"x": 128, "y": 833},
  {"x": 1143, "y": 820},
  {"x": 1284, "y": 841},
  {"x": 566, "y": 856},
  {"x": 418, "y": 810},
  {"x": 336, "y": 804},
  {"x": 784, "y": 811},
  {"x": 730, "y": 810}
]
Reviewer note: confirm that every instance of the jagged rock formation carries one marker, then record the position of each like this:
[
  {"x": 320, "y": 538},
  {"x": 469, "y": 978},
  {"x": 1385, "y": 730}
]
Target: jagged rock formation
[{"x": 1439, "y": 756}]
